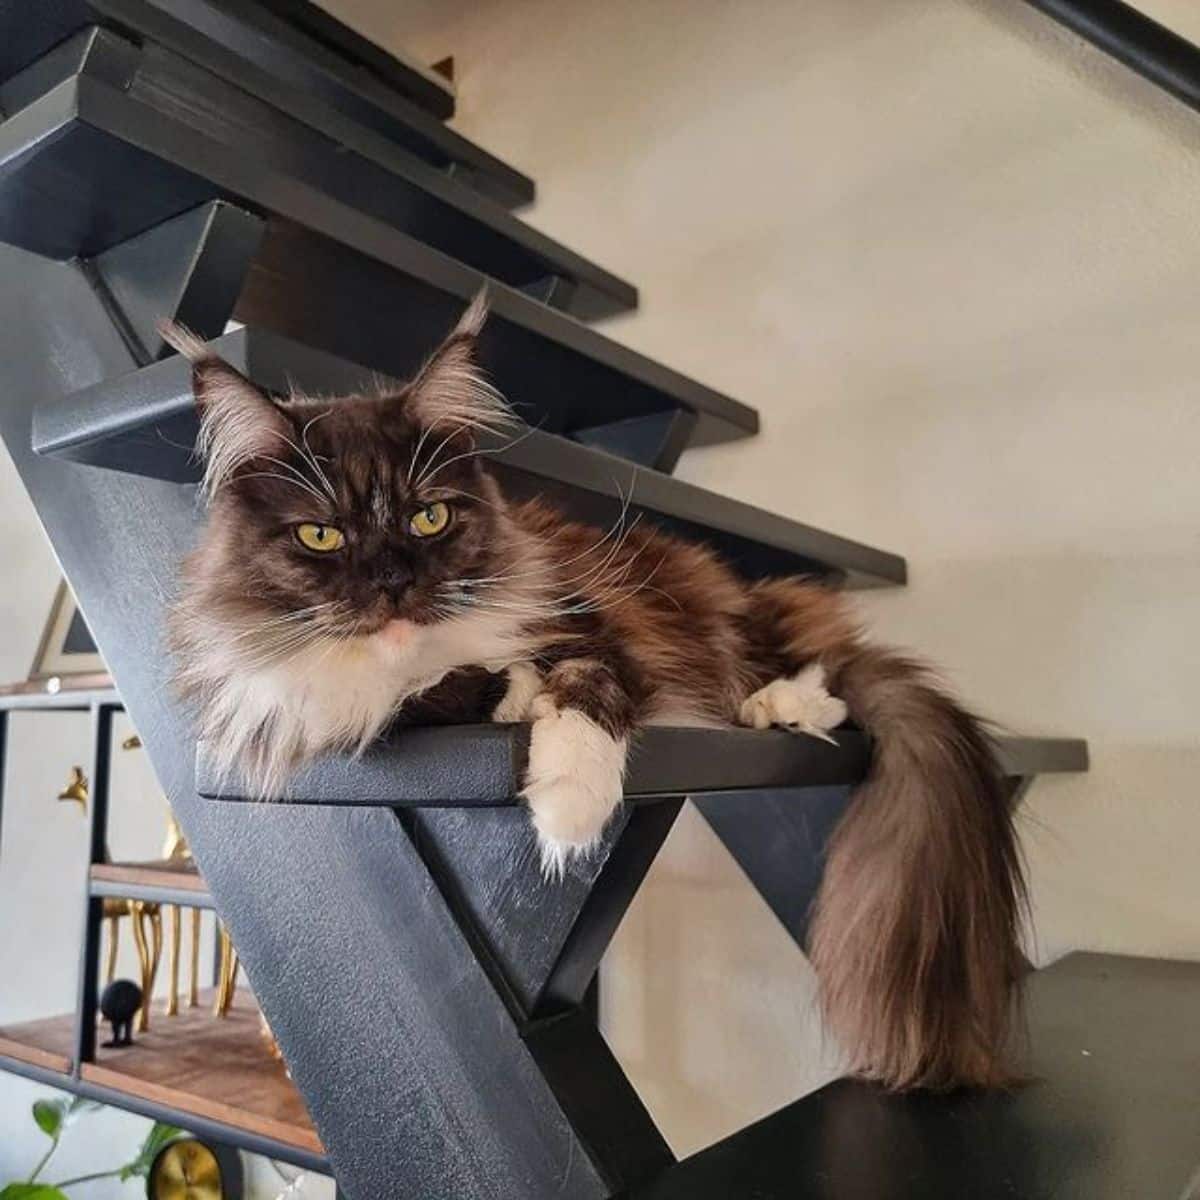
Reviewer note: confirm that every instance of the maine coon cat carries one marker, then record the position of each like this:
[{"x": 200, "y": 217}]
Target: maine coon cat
[{"x": 360, "y": 556}]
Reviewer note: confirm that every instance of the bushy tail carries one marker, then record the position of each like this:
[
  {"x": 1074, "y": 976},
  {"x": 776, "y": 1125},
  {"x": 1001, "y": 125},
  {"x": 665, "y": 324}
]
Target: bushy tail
[{"x": 915, "y": 933}]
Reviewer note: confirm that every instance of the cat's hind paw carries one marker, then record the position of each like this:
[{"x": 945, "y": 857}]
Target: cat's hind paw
[
  {"x": 573, "y": 784},
  {"x": 800, "y": 703}
]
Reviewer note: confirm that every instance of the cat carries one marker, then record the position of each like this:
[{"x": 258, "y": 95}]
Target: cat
[{"x": 360, "y": 556}]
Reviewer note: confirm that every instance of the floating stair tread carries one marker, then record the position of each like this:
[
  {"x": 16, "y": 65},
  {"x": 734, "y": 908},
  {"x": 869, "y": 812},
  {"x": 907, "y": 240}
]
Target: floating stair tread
[
  {"x": 145, "y": 423},
  {"x": 65, "y": 165},
  {"x": 1111, "y": 1113},
  {"x": 28, "y": 31},
  {"x": 472, "y": 766},
  {"x": 124, "y": 154},
  {"x": 290, "y": 71},
  {"x": 219, "y": 1069},
  {"x": 259, "y": 52}
]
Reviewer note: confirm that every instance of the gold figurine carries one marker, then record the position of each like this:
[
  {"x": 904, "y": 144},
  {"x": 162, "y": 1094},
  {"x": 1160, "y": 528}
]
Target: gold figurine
[{"x": 76, "y": 789}]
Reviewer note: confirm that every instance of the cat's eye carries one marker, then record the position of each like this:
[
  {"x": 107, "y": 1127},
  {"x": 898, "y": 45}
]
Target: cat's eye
[
  {"x": 430, "y": 520},
  {"x": 321, "y": 538}
]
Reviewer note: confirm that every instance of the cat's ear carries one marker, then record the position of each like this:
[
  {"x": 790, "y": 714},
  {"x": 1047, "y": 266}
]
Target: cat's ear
[
  {"x": 450, "y": 389},
  {"x": 238, "y": 422}
]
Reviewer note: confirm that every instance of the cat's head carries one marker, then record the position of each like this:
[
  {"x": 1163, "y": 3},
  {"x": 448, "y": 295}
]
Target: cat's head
[{"x": 360, "y": 514}]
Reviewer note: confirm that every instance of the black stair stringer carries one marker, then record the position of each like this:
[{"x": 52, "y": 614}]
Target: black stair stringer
[{"x": 417, "y": 1079}]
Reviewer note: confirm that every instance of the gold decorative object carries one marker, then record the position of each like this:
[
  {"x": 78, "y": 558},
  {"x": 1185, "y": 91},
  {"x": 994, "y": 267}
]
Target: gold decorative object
[
  {"x": 132, "y": 742},
  {"x": 194, "y": 989},
  {"x": 186, "y": 1170},
  {"x": 175, "y": 850},
  {"x": 76, "y": 789},
  {"x": 227, "y": 973}
]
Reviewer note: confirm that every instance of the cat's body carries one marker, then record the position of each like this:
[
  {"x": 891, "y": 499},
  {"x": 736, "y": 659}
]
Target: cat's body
[{"x": 359, "y": 557}]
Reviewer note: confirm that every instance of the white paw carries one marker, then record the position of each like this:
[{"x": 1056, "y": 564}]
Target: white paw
[
  {"x": 524, "y": 683},
  {"x": 573, "y": 785},
  {"x": 800, "y": 703}
]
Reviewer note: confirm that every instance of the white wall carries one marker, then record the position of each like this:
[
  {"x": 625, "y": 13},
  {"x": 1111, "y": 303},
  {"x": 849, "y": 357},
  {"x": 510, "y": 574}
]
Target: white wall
[{"x": 949, "y": 252}]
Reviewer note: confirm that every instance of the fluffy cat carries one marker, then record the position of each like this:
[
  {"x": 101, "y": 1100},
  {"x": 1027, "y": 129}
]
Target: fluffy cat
[{"x": 359, "y": 556}]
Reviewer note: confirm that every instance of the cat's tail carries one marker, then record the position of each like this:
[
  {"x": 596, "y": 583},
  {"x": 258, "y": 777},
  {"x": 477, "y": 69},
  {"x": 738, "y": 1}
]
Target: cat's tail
[{"x": 915, "y": 933}]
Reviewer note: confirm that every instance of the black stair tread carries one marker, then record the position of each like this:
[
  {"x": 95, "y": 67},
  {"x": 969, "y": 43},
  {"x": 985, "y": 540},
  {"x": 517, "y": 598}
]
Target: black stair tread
[
  {"x": 301, "y": 79},
  {"x": 328, "y": 270},
  {"x": 1112, "y": 1113},
  {"x": 169, "y": 116},
  {"x": 259, "y": 50},
  {"x": 474, "y": 766},
  {"x": 145, "y": 423},
  {"x": 27, "y": 31}
]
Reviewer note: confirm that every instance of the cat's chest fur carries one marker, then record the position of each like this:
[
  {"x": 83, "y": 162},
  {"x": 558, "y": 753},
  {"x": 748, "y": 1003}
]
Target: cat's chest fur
[{"x": 340, "y": 695}]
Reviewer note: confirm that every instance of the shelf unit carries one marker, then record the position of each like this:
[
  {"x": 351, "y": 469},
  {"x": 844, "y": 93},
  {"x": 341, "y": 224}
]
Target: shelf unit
[{"x": 215, "y": 1076}]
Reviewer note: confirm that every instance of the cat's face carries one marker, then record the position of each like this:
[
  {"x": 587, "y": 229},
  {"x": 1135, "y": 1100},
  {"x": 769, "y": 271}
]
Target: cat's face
[{"x": 361, "y": 515}]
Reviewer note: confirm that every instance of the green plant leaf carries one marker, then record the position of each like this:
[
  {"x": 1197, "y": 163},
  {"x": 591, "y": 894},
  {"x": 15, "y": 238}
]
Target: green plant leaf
[
  {"x": 156, "y": 1139},
  {"x": 49, "y": 1116},
  {"x": 32, "y": 1191}
]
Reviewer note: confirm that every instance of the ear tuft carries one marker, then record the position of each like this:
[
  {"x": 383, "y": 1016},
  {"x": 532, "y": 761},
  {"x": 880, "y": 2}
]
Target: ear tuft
[
  {"x": 238, "y": 422},
  {"x": 471, "y": 323},
  {"x": 450, "y": 389}
]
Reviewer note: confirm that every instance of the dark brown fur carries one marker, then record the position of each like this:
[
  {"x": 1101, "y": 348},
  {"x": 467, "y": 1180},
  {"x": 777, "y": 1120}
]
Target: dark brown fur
[{"x": 915, "y": 933}]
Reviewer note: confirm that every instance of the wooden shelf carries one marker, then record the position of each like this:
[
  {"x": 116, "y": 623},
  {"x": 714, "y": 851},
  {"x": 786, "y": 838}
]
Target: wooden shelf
[
  {"x": 220, "y": 1070},
  {"x": 38, "y": 1044},
  {"x": 165, "y": 881}
]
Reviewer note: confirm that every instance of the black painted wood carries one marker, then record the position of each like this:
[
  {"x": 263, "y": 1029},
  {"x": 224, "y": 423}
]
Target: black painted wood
[
  {"x": 376, "y": 301},
  {"x": 615, "y": 1126},
  {"x": 655, "y": 440},
  {"x": 479, "y": 766},
  {"x": 145, "y": 423},
  {"x": 1111, "y": 1114},
  {"x": 254, "y": 49},
  {"x": 425, "y": 85},
  {"x": 189, "y": 269},
  {"x": 1155, "y": 52},
  {"x": 573, "y": 980},
  {"x": 429, "y": 1089},
  {"x": 300, "y": 77},
  {"x": 186, "y": 118},
  {"x": 27, "y": 31},
  {"x": 486, "y": 864},
  {"x": 778, "y": 838}
]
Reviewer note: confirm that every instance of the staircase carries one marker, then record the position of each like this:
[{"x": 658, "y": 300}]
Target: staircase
[{"x": 259, "y": 165}]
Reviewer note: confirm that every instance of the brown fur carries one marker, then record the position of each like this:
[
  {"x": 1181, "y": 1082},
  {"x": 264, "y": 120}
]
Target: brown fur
[{"x": 914, "y": 936}]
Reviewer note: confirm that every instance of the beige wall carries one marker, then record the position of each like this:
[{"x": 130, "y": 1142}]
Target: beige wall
[{"x": 950, "y": 253}]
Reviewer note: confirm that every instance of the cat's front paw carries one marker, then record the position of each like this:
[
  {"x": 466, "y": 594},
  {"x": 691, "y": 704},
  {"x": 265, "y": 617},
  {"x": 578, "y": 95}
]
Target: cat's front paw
[
  {"x": 574, "y": 782},
  {"x": 800, "y": 703},
  {"x": 524, "y": 684}
]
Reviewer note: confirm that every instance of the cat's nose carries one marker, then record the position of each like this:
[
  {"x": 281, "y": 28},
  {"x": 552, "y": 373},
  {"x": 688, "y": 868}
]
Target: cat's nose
[{"x": 395, "y": 581}]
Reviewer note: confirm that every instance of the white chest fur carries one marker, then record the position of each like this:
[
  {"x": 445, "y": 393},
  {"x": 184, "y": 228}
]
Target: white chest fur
[{"x": 335, "y": 694}]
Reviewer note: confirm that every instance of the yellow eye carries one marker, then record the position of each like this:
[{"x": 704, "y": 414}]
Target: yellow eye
[
  {"x": 430, "y": 520},
  {"x": 321, "y": 538}
]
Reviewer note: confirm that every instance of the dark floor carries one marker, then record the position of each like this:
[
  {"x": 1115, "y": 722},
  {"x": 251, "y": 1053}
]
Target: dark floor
[{"x": 1115, "y": 1112}]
